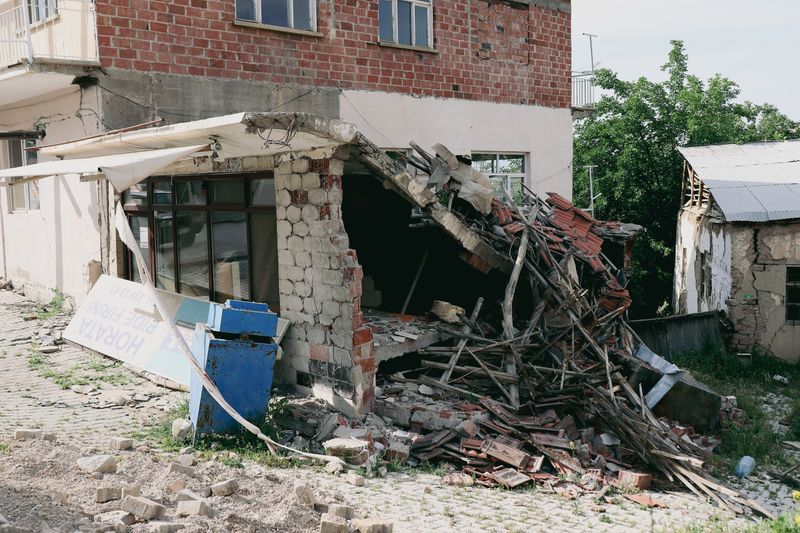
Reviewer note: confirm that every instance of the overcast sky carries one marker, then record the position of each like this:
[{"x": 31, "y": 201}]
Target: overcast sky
[{"x": 754, "y": 43}]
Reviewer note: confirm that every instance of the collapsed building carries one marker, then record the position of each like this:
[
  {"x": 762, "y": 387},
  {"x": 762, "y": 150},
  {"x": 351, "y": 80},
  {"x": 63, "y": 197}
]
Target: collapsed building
[
  {"x": 362, "y": 245},
  {"x": 737, "y": 242}
]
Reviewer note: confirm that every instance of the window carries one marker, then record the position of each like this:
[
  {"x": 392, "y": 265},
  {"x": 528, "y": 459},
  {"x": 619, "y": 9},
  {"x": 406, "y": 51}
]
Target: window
[
  {"x": 39, "y": 10},
  {"x": 793, "y": 294},
  {"x": 408, "y": 22},
  {"x": 25, "y": 194},
  {"x": 297, "y": 14},
  {"x": 212, "y": 238},
  {"x": 504, "y": 171}
]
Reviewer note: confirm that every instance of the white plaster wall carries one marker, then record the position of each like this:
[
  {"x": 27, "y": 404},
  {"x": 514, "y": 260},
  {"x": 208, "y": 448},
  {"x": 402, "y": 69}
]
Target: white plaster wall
[
  {"x": 696, "y": 235},
  {"x": 393, "y": 120},
  {"x": 52, "y": 247}
]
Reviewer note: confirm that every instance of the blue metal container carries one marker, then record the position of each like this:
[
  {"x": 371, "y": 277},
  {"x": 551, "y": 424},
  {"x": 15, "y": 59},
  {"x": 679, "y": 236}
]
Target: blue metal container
[{"x": 236, "y": 351}]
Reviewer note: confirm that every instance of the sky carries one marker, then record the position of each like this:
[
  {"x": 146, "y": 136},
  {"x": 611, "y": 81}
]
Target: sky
[{"x": 752, "y": 42}]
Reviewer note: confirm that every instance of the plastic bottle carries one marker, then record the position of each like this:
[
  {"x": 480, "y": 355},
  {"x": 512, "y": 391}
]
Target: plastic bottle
[{"x": 745, "y": 466}]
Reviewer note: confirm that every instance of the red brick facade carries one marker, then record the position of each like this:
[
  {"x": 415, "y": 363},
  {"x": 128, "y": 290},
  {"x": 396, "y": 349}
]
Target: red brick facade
[{"x": 485, "y": 50}]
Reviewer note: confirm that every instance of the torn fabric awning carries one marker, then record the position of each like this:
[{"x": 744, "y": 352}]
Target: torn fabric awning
[{"x": 122, "y": 170}]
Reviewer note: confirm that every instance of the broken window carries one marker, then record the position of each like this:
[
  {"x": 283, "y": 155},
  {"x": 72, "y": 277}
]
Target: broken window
[
  {"x": 793, "y": 294},
  {"x": 25, "y": 194},
  {"x": 297, "y": 14},
  {"x": 212, "y": 238},
  {"x": 407, "y": 22},
  {"x": 705, "y": 275},
  {"x": 504, "y": 171}
]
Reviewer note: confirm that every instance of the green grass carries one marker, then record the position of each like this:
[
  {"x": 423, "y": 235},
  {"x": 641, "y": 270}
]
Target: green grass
[
  {"x": 230, "y": 450},
  {"x": 725, "y": 374},
  {"x": 53, "y": 308},
  {"x": 92, "y": 372},
  {"x": 4, "y": 448}
]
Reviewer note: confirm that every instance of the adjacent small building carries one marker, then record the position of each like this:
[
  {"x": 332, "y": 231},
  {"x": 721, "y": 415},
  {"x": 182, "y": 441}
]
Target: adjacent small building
[{"x": 738, "y": 242}]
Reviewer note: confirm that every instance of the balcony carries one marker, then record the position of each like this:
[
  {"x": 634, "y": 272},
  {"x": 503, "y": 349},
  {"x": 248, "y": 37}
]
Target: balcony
[
  {"x": 39, "y": 36},
  {"x": 583, "y": 91}
]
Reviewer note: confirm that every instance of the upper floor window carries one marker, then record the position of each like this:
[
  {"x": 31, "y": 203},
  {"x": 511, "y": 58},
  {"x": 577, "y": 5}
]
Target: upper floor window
[
  {"x": 793, "y": 294},
  {"x": 297, "y": 14},
  {"x": 407, "y": 22},
  {"x": 24, "y": 195},
  {"x": 505, "y": 171},
  {"x": 39, "y": 10}
]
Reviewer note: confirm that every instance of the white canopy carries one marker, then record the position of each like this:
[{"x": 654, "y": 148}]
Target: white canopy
[{"x": 122, "y": 170}]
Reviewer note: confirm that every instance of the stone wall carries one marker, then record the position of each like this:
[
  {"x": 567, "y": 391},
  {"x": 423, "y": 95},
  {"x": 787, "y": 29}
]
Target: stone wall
[{"x": 328, "y": 348}]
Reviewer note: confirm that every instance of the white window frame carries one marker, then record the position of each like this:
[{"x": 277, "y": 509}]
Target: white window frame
[
  {"x": 41, "y": 10},
  {"x": 414, "y": 4},
  {"x": 507, "y": 177},
  {"x": 9, "y": 146},
  {"x": 312, "y": 7}
]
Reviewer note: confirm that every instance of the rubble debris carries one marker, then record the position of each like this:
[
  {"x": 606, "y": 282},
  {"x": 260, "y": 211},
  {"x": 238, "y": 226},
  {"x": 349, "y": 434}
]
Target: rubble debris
[
  {"x": 33, "y": 434},
  {"x": 181, "y": 428},
  {"x": 165, "y": 527},
  {"x": 354, "y": 479},
  {"x": 330, "y": 523},
  {"x": 142, "y": 508},
  {"x": 225, "y": 488},
  {"x": 186, "y": 495},
  {"x": 107, "y": 494},
  {"x": 193, "y": 508},
  {"x": 121, "y": 443},
  {"x": 305, "y": 495},
  {"x": 344, "y": 511},
  {"x": 180, "y": 469},
  {"x": 115, "y": 518},
  {"x": 104, "y": 464},
  {"x": 372, "y": 525}
]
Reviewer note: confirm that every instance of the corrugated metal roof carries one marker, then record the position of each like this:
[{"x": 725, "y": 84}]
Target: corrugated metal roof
[{"x": 755, "y": 182}]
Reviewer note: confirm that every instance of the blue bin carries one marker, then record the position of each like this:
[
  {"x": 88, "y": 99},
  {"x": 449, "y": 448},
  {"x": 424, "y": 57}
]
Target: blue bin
[{"x": 236, "y": 350}]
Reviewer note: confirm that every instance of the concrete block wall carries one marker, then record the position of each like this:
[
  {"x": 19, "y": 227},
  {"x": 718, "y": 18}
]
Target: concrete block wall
[{"x": 328, "y": 348}]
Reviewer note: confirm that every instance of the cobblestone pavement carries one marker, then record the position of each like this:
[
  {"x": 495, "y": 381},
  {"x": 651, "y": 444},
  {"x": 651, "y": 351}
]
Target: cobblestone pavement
[{"x": 31, "y": 397}]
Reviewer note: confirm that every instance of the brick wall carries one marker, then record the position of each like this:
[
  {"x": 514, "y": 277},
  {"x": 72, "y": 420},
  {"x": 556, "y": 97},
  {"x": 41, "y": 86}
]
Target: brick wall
[
  {"x": 493, "y": 51},
  {"x": 328, "y": 344}
]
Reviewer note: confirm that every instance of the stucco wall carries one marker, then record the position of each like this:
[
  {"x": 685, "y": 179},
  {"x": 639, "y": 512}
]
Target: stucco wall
[
  {"x": 748, "y": 279},
  {"x": 55, "y": 246},
  {"x": 699, "y": 234},
  {"x": 392, "y": 120}
]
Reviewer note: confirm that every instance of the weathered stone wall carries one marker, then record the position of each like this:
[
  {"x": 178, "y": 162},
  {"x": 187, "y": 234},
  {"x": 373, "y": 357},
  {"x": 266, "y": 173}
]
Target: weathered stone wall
[
  {"x": 328, "y": 348},
  {"x": 757, "y": 308}
]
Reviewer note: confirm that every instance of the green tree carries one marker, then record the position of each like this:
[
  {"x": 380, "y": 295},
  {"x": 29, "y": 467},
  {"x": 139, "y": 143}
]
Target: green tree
[{"x": 632, "y": 139}]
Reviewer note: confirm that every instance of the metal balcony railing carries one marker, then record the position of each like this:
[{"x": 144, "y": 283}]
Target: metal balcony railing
[
  {"x": 50, "y": 30},
  {"x": 583, "y": 90}
]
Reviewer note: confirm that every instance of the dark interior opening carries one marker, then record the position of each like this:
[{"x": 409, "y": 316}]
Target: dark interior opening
[{"x": 391, "y": 241}]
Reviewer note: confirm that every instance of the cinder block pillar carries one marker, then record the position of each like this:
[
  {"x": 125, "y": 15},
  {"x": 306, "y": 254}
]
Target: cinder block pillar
[{"x": 328, "y": 346}]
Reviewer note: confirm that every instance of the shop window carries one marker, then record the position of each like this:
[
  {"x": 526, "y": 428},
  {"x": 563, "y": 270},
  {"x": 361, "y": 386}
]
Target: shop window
[
  {"x": 406, "y": 22},
  {"x": 504, "y": 171},
  {"x": 212, "y": 238},
  {"x": 24, "y": 191},
  {"x": 793, "y": 294},
  {"x": 297, "y": 14}
]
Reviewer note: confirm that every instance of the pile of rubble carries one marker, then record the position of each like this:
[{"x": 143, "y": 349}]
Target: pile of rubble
[{"x": 551, "y": 388}]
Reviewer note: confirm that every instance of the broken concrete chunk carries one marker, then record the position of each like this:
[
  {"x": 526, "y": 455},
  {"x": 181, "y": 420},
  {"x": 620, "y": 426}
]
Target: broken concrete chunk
[
  {"x": 180, "y": 469},
  {"x": 193, "y": 508},
  {"x": 344, "y": 447},
  {"x": 332, "y": 524},
  {"x": 467, "y": 428},
  {"x": 177, "y": 485},
  {"x": 344, "y": 511},
  {"x": 186, "y": 459},
  {"x": 180, "y": 429},
  {"x": 426, "y": 390},
  {"x": 305, "y": 495},
  {"x": 104, "y": 464},
  {"x": 142, "y": 508},
  {"x": 398, "y": 452},
  {"x": 225, "y": 488},
  {"x": 82, "y": 389},
  {"x": 186, "y": 495},
  {"x": 121, "y": 443},
  {"x": 28, "y": 434},
  {"x": 334, "y": 467},
  {"x": 354, "y": 479},
  {"x": 107, "y": 494},
  {"x": 165, "y": 527},
  {"x": 122, "y": 518},
  {"x": 372, "y": 525},
  {"x": 131, "y": 490},
  {"x": 637, "y": 480}
]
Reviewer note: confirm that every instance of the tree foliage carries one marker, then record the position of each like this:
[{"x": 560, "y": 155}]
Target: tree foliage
[{"x": 632, "y": 139}]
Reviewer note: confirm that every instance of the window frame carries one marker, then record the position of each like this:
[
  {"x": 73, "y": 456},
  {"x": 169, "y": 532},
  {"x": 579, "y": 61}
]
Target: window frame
[
  {"x": 26, "y": 157},
  {"x": 41, "y": 10},
  {"x": 427, "y": 4},
  {"x": 507, "y": 177},
  {"x": 793, "y": 284},
  {"x": 258, "y": 18},
  {"x": 148, "y": 209}
]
